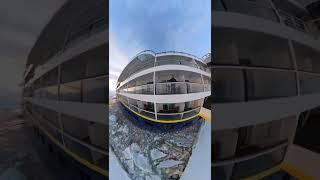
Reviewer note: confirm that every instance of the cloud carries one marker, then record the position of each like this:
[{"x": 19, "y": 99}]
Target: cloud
[
  {"x": 180, "y": 25},
  {"x": 119, "y": 57}
]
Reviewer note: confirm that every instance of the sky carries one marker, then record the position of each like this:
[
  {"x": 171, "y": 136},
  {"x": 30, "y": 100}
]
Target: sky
[
  {"x": 157, "y": 25},
  {"x": 21, "y": 22}
]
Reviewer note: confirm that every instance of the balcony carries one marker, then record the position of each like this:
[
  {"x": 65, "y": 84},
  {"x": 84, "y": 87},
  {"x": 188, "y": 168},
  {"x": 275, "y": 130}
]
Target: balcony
[{"x": 268, "y": 11}]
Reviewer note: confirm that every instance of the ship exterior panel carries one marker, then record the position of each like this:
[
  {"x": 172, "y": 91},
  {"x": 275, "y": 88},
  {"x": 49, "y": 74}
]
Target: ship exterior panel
[
  {"x": 65, "y": 85},
  {"x": 167, "y": 87}
]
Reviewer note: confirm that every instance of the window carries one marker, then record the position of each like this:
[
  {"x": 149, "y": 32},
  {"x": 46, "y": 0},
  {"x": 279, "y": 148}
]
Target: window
[
  {"x": 171, "y": 88},
  {"x": 228, "y": 85},
  {"x": 95, "y": 90},
  {"x": 240, "y": 47},
  {"x": 97, "y": 61},
  {"x": 140, "y": 63},
  {"x": 193, "y": 104},
  {"x": 147, "y": 106},
  {"x": 145, "y": 79},
  {"x": 50, "y": 78},
  {"x": 168, "y": 60},
  {"x": 76, "y": 127},
  {"x": 170, "y": 76},
  {"x": 51, "y": 92},
  {"x": 170, "y": 82},
  {"x": 309, "y": 83},
  {"x": 170, "y": 108},
  {"x": 70, "y": 91},
  {"x": 73, "y": 69},
  {"x": 188, "y": 62},
  {"x": 263, "y": 84},
  {"x": 307, "y": 58}
]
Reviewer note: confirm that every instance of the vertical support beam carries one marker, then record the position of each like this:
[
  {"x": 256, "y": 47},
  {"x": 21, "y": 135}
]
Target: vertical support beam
[
  {"x": 154, "y": 88},
  {"x": 276, "y": 11},
  {"x": 59, "y": 113},
  {"x": 295, "y": 65}
]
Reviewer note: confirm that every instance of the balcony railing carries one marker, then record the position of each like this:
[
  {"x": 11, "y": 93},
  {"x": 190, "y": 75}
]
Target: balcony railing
[
  {"x": 267, "y": 11},
  {"x": 165, "y": 116}
]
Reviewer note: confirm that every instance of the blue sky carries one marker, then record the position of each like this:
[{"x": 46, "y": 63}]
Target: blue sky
[{"x": 158, "y": 25}]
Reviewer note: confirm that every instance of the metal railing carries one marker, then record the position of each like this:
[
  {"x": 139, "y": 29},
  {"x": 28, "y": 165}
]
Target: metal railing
[{"x": 164, "y": 116}]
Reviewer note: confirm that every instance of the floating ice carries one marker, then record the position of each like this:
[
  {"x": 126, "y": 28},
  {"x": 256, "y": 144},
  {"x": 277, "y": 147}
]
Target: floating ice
[
  {"x": 153, "y": 177},
  {"x": 142, "y": 162},
  {"x": 169, "y": 163},
  {"x": 124, "y": 129},
  {"x": 134, "y": 147},
  {"x": 156, "y": 154},
  {"x": 112, "y": 119},
  {"x": 130, "y": 165},
  {"x": 127, "y": 154}
]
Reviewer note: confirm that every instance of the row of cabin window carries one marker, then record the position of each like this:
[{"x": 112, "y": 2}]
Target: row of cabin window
[
  {"x": 92, "y": 90},
  {"x": 162, "y": 107},
  {"x": 246, "y": 48},
  {"x": 252, "y": 84},
  {"x": 88, "y": 64},
  {"x": 148, "y": 61},
  {"x": 250, "y": 140},
  {"x": 168, "y": 88},
  {"x": 168, "y": 76}
]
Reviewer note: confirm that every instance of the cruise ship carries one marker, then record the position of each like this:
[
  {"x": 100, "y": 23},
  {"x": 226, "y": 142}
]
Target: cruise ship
[
  {"x": 65, "y": 86},
  {"x": 265, "y": 81},
  {"x": 165, "y": 88}
]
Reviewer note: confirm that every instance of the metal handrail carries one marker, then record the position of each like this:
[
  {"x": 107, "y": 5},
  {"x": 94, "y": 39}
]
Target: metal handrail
[{"x": 165, "y": 113}]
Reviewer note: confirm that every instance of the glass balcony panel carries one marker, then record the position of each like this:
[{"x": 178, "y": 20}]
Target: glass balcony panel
[
  {"x": 195, "y": 87},
  {"x": 170, "y": 108},
  {"x": 307, "y": 58},
  {"x": 188, "y": 62},
  {"x": 309, "y": 83},
  {"x": 133, "y": 102},
  {"x": 228, "y": 85},
  {"x": 147, "y": 106},
  {"x": 95, "y": 90},
  {"x": 193, "y": 104},
  {"x": 242, "y": 47},
  {"x": 145, "y": 79},
  {"x": 135, "y": 109},
  {"x": 147, "y": 114},
  {"x": 190, "y": 113},
  {"x": 70, "y": 91},
  {"x": 168, "y": 117},
  {"x": 263, "y": 84},
  {"x": 96, "y": 61},
  {"x": 74, "y": 69},
  {"x": 131, "y": 90},
  {"x": 168, "y": 60},
  {"x": 171, "y": 88}
]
